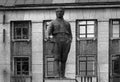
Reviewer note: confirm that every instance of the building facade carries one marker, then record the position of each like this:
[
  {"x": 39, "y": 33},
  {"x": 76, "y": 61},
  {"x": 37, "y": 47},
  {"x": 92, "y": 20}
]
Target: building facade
[{"x": 27, "y": 57}]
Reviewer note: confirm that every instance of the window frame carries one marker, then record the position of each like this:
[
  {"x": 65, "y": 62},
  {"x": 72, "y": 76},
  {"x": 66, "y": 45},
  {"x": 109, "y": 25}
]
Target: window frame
[
  {"x": 113, "y": 62},
  {"x": 86, "y": 62},
  {"x": 13, "y": 31},
  {"x": 111, "y": 28},
  {"x": 78, "y": 29},
  {"x": 46, "y": 70},
  {"x": 45, "y": 29},
  {"x": 78, "y": 40},
  {"x": 46, "y": 57},
  {"x": 13, "y": 65}
]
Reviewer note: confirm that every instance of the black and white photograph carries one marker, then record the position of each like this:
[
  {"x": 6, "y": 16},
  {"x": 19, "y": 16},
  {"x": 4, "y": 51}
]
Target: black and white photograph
[{"x": 59, "y": 40}]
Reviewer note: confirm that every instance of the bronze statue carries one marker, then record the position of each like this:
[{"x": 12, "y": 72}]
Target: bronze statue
[{"x": 62, "y": 37}]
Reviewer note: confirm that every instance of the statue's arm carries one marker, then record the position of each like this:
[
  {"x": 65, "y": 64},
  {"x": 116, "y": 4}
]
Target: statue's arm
[
  {"x": 50, "y": 30},
  {"x": 70, "y": 31}
]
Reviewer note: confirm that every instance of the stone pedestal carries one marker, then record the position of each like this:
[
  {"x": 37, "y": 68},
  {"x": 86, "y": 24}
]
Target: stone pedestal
[{"x": 60, "y": 80}]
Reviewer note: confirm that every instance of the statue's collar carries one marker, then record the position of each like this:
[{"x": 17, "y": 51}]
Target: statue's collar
[{"x": 60, "y": 19}]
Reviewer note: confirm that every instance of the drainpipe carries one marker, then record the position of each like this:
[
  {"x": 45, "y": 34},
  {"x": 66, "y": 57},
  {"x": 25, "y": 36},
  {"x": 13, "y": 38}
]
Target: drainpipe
[
  {"x": 4, "y": 46},
  {"x": 5, "y": 75},
  {"x": 3, "y": 22},
  {"x": 4, "y": 33}
]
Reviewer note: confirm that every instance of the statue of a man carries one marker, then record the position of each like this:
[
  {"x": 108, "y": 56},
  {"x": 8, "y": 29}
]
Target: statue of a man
[{"x": 62, "y": 36}]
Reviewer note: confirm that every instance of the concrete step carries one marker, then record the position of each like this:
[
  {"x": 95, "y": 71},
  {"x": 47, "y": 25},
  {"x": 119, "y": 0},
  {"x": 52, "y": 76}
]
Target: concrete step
[{"x": 60, "y": 80}]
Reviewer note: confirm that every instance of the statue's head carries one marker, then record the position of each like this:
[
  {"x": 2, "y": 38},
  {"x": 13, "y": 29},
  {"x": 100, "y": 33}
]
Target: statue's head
[{"x": 60, "y": 12}]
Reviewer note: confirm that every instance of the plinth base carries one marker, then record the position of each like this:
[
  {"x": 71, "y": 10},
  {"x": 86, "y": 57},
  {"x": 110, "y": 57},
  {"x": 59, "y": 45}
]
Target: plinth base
[{"x": 60, "y": 80}]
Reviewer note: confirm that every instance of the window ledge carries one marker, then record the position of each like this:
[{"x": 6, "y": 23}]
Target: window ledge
[
  {"x": 15, "y": 76},
  {"x": 115, "y": 38},
  {"x": 58, "y": 78},
  {"x": 86, "y": 39},
  {"x": 86, "y": 76},
  {"x": 19, "y": 40},
  {"x": 115, "y": 75}
]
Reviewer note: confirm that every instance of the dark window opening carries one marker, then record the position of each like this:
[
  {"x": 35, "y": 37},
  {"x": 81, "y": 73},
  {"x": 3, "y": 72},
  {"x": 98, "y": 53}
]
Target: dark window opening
[
  {"x": 21, "y": 30},
  {"x": 87, "y": 65},
  {"x": 21, "y": 66},
  {"x": 116, "y": 64}
]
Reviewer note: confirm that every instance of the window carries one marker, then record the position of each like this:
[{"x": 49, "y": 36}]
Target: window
[
  {"x": 115, "y": 28},
  {"x": 116, "y": 64},
  {"x": 86, "y": 66},
  {"x": 49, "y": 66},
  {"x": 21, "y": 30},
  {"x": 46, "y": 23},
  {"x": 21, "y": 66},
  {"x": 86, "y": 28},
  {"x": 86, "y": 47}
]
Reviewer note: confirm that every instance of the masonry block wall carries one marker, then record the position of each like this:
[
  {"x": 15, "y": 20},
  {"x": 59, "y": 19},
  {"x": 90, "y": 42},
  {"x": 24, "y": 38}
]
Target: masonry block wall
[{"x": 37, "y": 17}]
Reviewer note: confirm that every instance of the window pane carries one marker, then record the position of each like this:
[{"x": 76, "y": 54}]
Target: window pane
[
  {"x": 115, "y": 22},
  {"x": 25, "y": 59},
  {"x": 90, "y": 35},
  {"x": 82, "y": 22},
  {"x": 90, "y": 58},
  {"x": 25, "y": 73},
  {"x": 115, "y": 35},
  {"x": 90, "y": 29},
  {"x": 116, "y": 65},
  {"x": 87, "y": 29},
  {"x": 21, "y": 65},
  {"x": 18, "y": 72},
  {"x": 19, "y": 25},
  {"x": 90, "y": 22},
  {"x": 82, "y": 29},
  {"x": 82, "y": 58},
  {"x": 82, "y": 66},
  {"x": 25, "y": 33},
  {"x": 25, "y": 25},
  {"x": 25, "y": 66},
  {"x": 18, "y": 67},
  {"x": 50, "y": 66},
  {"x": 90, "y": 65},
  {"x": 90, "y": 73},
  {"x": 82, "y": 36},
  {"x": 21, "y": 30},
  {"x": 18, "y": 33},
  {"x": 83, "y": 73},
  {"x": 115, "y": 30},
  {"x": 115, "y": 57},
  {"x": 17, "y": 59}
]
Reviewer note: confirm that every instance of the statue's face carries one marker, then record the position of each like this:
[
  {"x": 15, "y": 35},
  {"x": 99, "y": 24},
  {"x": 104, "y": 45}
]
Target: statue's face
[{"x": 59, "y": 13}]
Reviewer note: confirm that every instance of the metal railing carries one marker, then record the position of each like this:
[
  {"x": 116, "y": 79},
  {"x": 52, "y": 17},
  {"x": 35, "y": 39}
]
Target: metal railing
[{"x": 86, "y": 79}]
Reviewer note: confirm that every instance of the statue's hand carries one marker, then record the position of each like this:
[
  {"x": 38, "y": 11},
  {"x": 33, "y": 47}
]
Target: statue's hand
[
  {"x": 46, "y": 39},
  {"x": 69, "y": 41}
]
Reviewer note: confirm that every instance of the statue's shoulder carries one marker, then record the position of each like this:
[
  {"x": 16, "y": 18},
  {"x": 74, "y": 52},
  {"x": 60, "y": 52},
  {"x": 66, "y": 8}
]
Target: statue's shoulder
[
  {"x": 67, "y": 22},
  {"x": 53, "y": 21}
]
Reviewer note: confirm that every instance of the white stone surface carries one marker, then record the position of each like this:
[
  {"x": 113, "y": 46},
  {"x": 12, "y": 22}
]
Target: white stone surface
[
  {"x": 103, "y": 51},
  {"x": 60, "y": 80}
]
